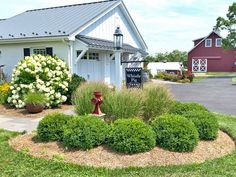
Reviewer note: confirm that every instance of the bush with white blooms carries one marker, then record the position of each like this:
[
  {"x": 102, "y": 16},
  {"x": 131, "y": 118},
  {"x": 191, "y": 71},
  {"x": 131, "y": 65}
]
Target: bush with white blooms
[{"x": 37, "y": 73}]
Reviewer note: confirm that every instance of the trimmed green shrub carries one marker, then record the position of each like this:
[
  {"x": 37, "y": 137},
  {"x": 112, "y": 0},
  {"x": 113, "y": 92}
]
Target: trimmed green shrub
[
  {"x": 157, "y": 101},
  {"x": 131, "y": 136},
  {"x": 205, "y": 122},
  {"x": 83, "y": 95},
  {"x": 123, "y": 104},
  {"x": 51, "y": 127},
  {"x": 85, "y": 132},
  {"x": 175, "y": 133},
  {"x": 181, "y": 108},
  {"x": 75, "y": 82}
]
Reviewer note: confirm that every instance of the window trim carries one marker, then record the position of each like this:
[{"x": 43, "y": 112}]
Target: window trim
[
  {"x": 210, "y": 42},
  {"x": 216, "y": 42}
]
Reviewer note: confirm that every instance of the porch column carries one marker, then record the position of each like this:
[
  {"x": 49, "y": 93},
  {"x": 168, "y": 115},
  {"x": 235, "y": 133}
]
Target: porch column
[{"x": 118, "y": 70}]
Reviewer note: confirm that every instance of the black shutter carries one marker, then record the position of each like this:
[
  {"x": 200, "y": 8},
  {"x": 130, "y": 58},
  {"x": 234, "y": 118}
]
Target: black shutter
[
  {"x": 26, "y": 52},
  {"x": 49, "y": 51}
]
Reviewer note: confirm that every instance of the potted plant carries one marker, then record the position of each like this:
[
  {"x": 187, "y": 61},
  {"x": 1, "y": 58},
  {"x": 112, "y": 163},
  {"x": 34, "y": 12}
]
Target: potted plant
[{"x": 35, "y": 102}]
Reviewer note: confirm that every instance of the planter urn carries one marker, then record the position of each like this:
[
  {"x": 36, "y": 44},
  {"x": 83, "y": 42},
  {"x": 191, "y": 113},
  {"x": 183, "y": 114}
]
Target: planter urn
[{"x": 34, "y": 108}]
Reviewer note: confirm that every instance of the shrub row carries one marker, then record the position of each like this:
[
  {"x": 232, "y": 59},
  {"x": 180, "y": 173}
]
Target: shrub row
[{"x": 169, "y": 131}]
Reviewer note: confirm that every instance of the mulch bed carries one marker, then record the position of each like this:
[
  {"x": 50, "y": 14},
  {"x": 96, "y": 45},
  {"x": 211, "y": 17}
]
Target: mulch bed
[
  {"x": 102, "y": 156},
  {"x": 22, "y": 113}
]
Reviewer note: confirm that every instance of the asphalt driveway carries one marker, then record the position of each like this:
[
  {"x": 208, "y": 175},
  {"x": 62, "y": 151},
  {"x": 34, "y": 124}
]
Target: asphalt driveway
[{"x": 217, "y": 94}]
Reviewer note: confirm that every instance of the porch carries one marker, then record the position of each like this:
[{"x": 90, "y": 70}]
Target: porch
[{"x": 95, "y": 59}]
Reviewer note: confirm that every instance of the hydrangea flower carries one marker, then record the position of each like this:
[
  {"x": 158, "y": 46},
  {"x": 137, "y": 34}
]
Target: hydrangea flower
[{"x": 46, "y": 74}]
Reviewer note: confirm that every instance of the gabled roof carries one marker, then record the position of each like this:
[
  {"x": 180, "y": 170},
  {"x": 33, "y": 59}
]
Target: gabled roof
[
  {"x": 203, "y": 39},
  {"x": 107, "y": 44},
  {"x": 53, "y": 21},
  {"x": 61, "y": 21}
]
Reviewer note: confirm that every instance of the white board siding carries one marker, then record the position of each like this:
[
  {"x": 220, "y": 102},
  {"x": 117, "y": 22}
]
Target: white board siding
[
  {"x": 11, "y": 54},
  {"x": 105, "y": 27}
]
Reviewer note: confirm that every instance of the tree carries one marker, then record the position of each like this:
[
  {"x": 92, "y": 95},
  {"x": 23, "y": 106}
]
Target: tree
[
  {"x": 228, "y": 24},
  {"x": 174, "y": 56}
]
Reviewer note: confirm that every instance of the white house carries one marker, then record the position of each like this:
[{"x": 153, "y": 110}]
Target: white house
[
  {"x": 170, "y": 67},
  {"x": 80, "y": 34}
]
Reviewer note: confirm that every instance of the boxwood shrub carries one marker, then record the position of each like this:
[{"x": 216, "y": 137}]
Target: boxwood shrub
[
  {"x": 175, "y": 133},
  {"x": 131, "y": 136},
  {"x": 85, "y": 132},
  {"x": 205, "y": 122},
  {"x": 181, "y": 108},
  {"x": 51, "y": 127}
]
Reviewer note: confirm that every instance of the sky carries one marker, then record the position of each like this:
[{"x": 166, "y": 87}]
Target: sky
[{"x": 165, "y": 25}]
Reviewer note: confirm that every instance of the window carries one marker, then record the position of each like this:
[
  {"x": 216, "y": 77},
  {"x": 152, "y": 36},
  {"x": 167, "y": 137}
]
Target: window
[
  {"x": 218, "y": 42},
  {"x": 85, "y": 57},
  {"x": 208, "y": 42},
  {"x": 93, "y": 56},
  {"x": 90, "y": 56},
  {"x": 41, "y": 51}
]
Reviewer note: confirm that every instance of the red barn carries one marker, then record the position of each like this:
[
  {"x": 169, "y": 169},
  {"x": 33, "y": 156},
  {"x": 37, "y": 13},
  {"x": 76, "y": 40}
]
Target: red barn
[{"x": 207, "y": 55}]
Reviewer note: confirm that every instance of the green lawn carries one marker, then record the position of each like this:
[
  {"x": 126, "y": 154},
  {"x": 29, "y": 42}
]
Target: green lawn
[
  {"x": 197, "y": 79},
  {"x": 234, "y": 80},
  {"x": 221, "y": 74},
  {"x": 20, "y": 164}
]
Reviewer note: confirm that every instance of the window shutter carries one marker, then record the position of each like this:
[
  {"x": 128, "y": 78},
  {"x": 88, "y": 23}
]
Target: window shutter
[
  {"x": 26, "y": 52},
  {"x": 49, "y": 51}
]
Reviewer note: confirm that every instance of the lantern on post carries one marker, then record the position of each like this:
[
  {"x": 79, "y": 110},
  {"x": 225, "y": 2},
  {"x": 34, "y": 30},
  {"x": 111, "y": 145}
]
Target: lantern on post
[{"x": 118, "y": 39}]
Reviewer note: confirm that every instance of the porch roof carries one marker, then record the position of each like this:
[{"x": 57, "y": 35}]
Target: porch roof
[{"x": 107, "y": 44}]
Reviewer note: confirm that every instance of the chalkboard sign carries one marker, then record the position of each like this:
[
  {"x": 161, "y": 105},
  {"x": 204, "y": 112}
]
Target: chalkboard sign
[{"x": 134, "y": 77}]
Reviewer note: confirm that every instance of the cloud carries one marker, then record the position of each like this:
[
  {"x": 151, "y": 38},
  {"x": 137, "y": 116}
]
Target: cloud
[{"x": 164, "y": 24}]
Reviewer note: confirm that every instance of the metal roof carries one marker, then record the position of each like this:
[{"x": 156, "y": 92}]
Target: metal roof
[
  {"x": 107, "y": 44},
  {"x": 54, "y": 21}
]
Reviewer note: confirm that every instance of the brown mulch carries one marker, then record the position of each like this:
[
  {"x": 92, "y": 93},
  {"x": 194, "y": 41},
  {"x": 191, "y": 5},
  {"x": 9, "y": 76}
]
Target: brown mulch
[
  {"x": 22, "y": 113},
  {"x": 102, "y": 156}
]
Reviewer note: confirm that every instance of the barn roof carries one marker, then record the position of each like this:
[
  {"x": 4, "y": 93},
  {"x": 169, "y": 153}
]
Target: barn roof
[
  {"x": 53, "y": 21},
  {"x": 203, "y": 39}
]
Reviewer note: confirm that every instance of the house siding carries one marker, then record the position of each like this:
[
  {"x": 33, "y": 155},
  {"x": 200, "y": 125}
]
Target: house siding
[
  {"x": 105, "y": 27},
  {"x": 218, "y": 59},
  {"x": 11, "y": 54}
]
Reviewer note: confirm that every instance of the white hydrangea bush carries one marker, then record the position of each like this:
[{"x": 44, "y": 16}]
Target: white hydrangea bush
[{"x": 37, "y": 73}]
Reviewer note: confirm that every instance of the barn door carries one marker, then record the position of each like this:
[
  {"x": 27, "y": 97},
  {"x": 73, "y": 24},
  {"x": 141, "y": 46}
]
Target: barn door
[{"x": 199, "y": 65}]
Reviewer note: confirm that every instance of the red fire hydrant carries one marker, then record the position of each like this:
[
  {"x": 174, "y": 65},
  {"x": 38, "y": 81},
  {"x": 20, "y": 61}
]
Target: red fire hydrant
[{"x": 97, "y": 101}]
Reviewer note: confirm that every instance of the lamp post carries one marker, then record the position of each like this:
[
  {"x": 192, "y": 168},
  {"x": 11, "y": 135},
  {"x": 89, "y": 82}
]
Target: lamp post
[{"x": 118, "y": 44}]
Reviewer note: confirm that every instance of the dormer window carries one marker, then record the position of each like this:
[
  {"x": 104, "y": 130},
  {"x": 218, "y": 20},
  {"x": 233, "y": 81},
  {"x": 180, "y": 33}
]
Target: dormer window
[
  {"x": 208, "y": 43},
  {"x": 218, "y": 42}
]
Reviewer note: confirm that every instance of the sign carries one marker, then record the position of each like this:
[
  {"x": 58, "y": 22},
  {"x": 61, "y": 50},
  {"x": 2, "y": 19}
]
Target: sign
[{"x": 134, "y": 77}]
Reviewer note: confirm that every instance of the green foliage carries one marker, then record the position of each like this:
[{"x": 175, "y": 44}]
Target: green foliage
[
  {"x": 174, "y": 56},
  {"x": 75, "y": 82},
  {"x": 85, "y": 132},
  {"x": 205, "y": 122},
  {"x": 83, "y": 95},
  {"x": 35, "y": 98},
  {"x": 181, "y": 108},
  {"x": 229, "y": 25},
  {"x": 157, "y": 101},
  {"x": 51, "y": 127},
  {"x": 131, "y": 136},
  {"x": 175, "y": 133},
  {"x": 123, "y": 104}
]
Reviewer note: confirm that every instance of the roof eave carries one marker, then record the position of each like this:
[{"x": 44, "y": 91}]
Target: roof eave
[{"x": 34, "y": 39}]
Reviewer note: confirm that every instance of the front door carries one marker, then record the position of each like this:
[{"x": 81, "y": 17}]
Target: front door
[{"x": 199, "y": 65}]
